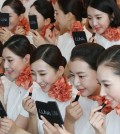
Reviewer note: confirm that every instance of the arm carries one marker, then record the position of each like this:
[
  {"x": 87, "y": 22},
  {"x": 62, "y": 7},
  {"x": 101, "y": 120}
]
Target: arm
[
  {"x": 22, "y": 122},
  {"x": 33, "y": 124}
]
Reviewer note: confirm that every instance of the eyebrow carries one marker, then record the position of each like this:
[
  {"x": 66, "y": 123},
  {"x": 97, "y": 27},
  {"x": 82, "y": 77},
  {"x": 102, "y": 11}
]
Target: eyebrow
[
  {"x": 78, "y": 72},
  {"x": 38, "y": 71},
  {"x": 96, "y": 15}
]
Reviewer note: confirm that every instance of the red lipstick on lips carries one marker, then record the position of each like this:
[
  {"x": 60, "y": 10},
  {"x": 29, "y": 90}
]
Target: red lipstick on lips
[{"x": 103, "y": 105}]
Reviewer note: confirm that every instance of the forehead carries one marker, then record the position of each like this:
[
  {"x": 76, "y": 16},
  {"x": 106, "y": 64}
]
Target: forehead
[
  {"x": 8, "y": 53},
  {"x": 40, "y": 65},
  {"x": 93, "y": 11},
  {"x": 106, "y": 73},
  {"x": 7, "y": 9},
  {"x": 79, "y": 65}
]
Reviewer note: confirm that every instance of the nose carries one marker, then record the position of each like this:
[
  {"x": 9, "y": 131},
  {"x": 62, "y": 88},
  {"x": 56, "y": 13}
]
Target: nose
[
  {"x": 102, "y": 91},
  {"x": 6, "y": 64},
  {"x": 94, "y": 21},
  {"x": 38, "y": 79},
  {"x": 76, "y": 81}
]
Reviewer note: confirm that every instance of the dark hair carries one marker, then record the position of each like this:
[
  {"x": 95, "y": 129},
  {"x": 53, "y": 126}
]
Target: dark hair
[
  {"x": 16, "y": 5},
  {"x": 19, "y": 45},
  {"x": 87, "y": 52},
  {"x": 1, "y": 48},
  {"x": 73, "y": 6},
  {"x": 111, "y": 58},
  {"x": 45, "y": 8},
  {"x": 50, "y": 54},
  {"x": 110, "y": 7}
]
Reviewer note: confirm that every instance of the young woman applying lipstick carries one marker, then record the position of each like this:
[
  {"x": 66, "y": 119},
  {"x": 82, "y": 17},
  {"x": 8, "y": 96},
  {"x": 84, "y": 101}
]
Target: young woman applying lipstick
[
  {"x": 16, "y": 54},
  {"x": 104, "y": 18},
  {"x": 83, "y": 68},
  {"x": 47, "y": 67},
  {"x": 108, "y": 75}
]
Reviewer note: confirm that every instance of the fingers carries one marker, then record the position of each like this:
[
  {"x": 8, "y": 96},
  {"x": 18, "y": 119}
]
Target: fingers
[
  {"x": 48, "y": 127},
  {"x": 93, "y": 112}
]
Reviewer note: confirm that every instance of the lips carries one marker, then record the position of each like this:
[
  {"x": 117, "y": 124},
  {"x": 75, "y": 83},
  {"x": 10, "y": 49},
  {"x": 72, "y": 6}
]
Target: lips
[{"x": 81, "y": 90}]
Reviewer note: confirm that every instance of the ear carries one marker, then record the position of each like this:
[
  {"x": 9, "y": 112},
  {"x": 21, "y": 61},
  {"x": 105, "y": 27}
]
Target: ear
[
  {"x": 21, "y": 17},
  {"x": 61, "y": 71},
  {"x": 47, "y": 21},
  {"x": 70, "y": 16},
  {"x": 27, "y": 59}
]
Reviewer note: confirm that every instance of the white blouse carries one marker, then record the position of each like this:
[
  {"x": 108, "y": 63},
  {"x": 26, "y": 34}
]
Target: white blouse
[
  {"x": 106, "y": 43},
  {"x": 39, "y": 95},
  {"x": 113, "y": 123}
]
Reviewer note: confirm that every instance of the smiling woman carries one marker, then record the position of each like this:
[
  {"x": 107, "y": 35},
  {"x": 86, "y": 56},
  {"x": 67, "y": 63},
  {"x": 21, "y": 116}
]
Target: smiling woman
[
  {"x": 17, "y": 22},
  {"x": 16, "y": 55},
  {"x": 104, "y": 18},
  {"x": 47, "y": 67}
]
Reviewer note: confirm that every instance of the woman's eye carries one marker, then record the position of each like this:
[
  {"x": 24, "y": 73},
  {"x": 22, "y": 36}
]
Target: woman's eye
[
  {"x": 71, "y": 75},
  {"x": 99, "y": 18},
  {"x": 10, "y": 60}
]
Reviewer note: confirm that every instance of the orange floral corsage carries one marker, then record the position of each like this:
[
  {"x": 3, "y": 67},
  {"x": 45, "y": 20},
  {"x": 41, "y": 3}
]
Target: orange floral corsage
[
  {"x": 24, "y": 23},
  {"x": 112, "y": 34},
  {"x": 25, "y": 78},
  {"x": 100, "y": 100},
  {"x": 61, "y": 90}
]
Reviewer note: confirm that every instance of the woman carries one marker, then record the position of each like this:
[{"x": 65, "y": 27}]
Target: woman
[
  {"x": 68, "y": 15},
  {"x": 104, "y": 18},
  {"x": 16, "y": 55},
  {"x": 48, "y": 73},
  {"x": 44, "y": 12},
  {"x": 109, "y": 79},
  {"x": 17, "y": 22},
  {"x": 83, "y": 66}
]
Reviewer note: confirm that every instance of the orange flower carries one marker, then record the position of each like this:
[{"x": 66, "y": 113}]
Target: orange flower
[
  {"x": 77, "y": 26},
  {"x": 100, "y": 100},
  {"x": 24, "y": 23},
  {"x": 112, "y": 34},
  {"x": 25, "y": 78},
  {"x": 61, "y": 90},
  {"x": 42, "y": 33}
]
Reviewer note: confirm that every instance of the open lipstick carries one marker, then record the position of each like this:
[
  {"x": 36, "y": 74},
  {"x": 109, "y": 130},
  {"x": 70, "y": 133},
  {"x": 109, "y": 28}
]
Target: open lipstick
[
  {"x": 30, "y": 92},
  {"x": 93, "y": 35},
  {"x": 103, "y": 105},
  {"x": 77, "y": 96}
]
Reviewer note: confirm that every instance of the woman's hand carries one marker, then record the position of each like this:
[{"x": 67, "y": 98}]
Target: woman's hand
[
  {"x": 61, "y": 130},
  {"x": 48, "y": 127},
  {"x": 6, "y": 125},
  {"x": 73, "y": 112},
  {"x": 29, "y": 105},
  {"x": 97, "y": 120},
  {"x": 5, "y": 34},
  {"x": 20, "y": 30},
  {"x": 37, "y": 38},
  {"x": 50, "y": 36}
]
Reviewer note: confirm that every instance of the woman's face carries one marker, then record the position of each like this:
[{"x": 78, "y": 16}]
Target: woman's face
[
  {"x": 84, "y": 78},
  {"x": 13, "y": 64},
  {"x": 44, "y": 74},
  {"x": 61, "y": 18},
  {"x": 40, "y": 18},
  {"x": 98, "y": 20},
  {"x": 110, "y": 84},
  {"x": 13, "y": 17}
]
